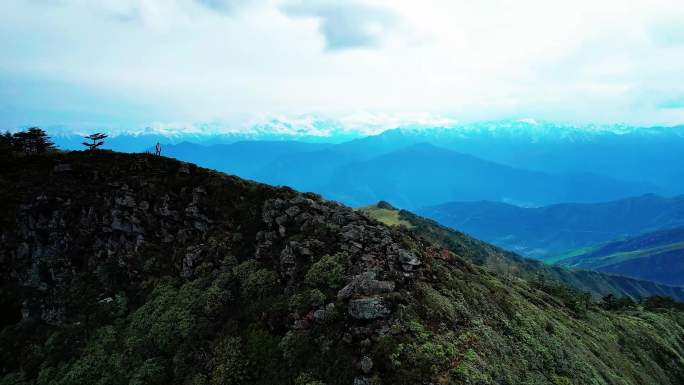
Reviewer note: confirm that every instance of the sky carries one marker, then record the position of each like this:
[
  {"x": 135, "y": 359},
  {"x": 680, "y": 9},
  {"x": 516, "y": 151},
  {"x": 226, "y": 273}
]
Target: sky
[{"x": 132, "y": 63}]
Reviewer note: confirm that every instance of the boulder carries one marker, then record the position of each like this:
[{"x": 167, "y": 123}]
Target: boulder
[
  {"x": 368, "y": 308},
  {"x": 365, "y": 284},
  {"x": 62, "y": 167},
  {"x": 408, "y": 260},
  {"x": 366, "y": 364}
]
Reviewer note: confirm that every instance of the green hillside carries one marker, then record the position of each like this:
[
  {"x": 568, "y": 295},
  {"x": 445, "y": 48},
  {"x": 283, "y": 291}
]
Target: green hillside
[
  {"x": 136, "y": 269},
  {"x": 656, "y": 256},
  {"x": 507, "y": 263}
]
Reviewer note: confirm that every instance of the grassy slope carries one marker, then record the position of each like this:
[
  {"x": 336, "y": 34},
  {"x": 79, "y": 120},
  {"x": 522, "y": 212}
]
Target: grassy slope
[
  {"x": 657, "y": 256},
  {"x": 508, "y": 263},
  {"x": 240, "y": 320},
  {"x": 387, "y": 216},
  {"x": 619, "y": 257}
]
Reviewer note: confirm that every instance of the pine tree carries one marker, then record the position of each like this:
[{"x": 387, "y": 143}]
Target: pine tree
[
  {"x": 97, "y": 139},
  {"x": 6, "y": 143},
  {"x": 32, "y": 141},
  {"x": 40, "y": 141}
]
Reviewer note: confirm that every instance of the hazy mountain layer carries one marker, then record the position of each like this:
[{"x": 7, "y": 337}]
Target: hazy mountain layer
[
  {"x": 548, "y": 231},
  {"x": 637, "y": 154},
  {"x": 245, "y": 159},
  {"x": 423, "y": 174},
  {"x": 540, "y": 164}
]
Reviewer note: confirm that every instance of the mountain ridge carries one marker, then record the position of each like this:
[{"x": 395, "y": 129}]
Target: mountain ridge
[
  {"x": 549, "y": 230},
  {"x": 423, "y": 174},
  {"x": 142, "y": 269},
  {"x": 509, "y": 263},
  {"x": 657, "y": 256}
]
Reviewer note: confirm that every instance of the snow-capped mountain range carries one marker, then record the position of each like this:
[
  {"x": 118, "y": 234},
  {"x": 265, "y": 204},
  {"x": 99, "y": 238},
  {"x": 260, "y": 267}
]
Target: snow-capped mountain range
[{"x": 317, "y": 129}]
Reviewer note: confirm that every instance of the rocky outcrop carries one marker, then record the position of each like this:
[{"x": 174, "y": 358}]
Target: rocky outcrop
[
  {"x": 368, "y": 308},
  {"x": 149, "y": 216},
  {"x": 365, "y": 284}
]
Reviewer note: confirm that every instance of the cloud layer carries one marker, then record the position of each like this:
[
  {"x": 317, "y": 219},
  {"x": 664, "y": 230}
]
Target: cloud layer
[
  {"x": 344, "y": 24},
  {"x": 132, "y": 61}
]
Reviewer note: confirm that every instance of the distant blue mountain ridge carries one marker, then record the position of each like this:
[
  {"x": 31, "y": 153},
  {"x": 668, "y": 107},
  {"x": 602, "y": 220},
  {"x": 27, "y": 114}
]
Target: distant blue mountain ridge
[
  {"x": 521, "y": 162},
  {"x": 546, "y": 232},
  {"x": 655, "y": 256}
]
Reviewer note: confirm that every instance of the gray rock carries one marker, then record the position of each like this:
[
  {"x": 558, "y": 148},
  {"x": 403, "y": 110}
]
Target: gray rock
[
  {"x": 300, "y": 199},
  {"x": 366, "y": 364},
  {"x": 288, "y": 261},
  {"x": 192, "y": 211},
  {"x": 365, "y": 284},
  {"x": 292, "y": 211},
  {"x": 62, "y": 167},
  {"x": 196, "y": 192},
  {"x": 352, "y": 232},
  {"x": 125, "y": 200},
  {"x": 324, "y": 314},
  {"x": 191, "y": 259},
  {"x": 408, "y": 259},
  {"x": 118, "y": 224},
  {"x": 281, "y": 219},
  {"x": 319, "y": 315},
  {"x": 368, "y": 308},
  {"x": 200, "y": 226},
  {"x": 365, "y": 343}
]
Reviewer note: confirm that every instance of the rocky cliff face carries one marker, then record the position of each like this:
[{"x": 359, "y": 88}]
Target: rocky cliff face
[
  {"x": 91, "y": 225},
  {"x": 138, "y": 269}
]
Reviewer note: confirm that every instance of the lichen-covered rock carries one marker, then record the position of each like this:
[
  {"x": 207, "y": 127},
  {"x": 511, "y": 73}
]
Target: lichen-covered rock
[
  {"x": 365, "y": 284},
  {"x": 366, "y": 364},
  {"x": 324, "y": 314},
  {"x": 368, "y": 308},
  {"x": 408, "y": 259}
]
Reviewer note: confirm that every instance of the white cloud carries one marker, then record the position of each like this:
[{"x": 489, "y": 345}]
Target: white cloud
[
  {"x": 345, "y": 24},
  {"x": 198, "y": 60}
]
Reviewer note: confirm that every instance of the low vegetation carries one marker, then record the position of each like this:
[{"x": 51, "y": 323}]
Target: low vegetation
[
  {"x": 138, "y": 269},
  {"x": 654, "y": 256},
  {"x": 509, "y": 264}
]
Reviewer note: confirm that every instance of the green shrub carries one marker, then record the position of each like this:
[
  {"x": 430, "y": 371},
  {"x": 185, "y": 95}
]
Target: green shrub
[
  {"x": 436, "y": 305},
  {"x": 660, "y": 302},
  {"x": 229, "y": 366},
  {"x": 256, "y": 282},
  {"x": 426, "y": 354},
  {"x": 307, "y": 378},
  {"x": 151, "y": 372},
  {"x": 328, "y": 271},
  {"x": 296, "y": 345},
  {"x": 306, "y": 300}
]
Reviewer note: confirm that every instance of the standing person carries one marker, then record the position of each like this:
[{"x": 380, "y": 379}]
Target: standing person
[{"x": 157, "y": 149}]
